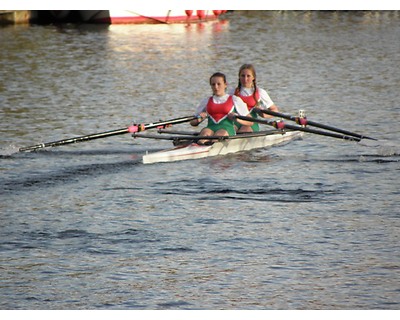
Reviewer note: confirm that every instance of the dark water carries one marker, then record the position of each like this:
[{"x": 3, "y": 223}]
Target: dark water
[{"x": 314, "y": 224}]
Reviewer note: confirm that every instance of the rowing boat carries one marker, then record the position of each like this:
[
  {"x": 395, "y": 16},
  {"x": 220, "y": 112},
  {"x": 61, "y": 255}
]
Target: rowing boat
[
  {"x": 187, "y": 149},
  {"x": 225, "y": 145}
]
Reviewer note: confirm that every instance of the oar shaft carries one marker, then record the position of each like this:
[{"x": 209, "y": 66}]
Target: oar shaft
[
  {"x": 130, "y": 129},
  {"x": 281, "y": 125},
  {"x": 196, "y": 136},
  {"x": 169, "y": 122},
  {"x": 322, "y": 133},
  {"x": 75, "y": 139},
  {"x": 305, "y": 121}
]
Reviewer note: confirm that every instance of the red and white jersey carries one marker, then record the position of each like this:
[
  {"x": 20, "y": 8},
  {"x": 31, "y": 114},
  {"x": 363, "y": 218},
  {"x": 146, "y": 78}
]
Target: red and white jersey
[
  {"x": 248, "y": 94},
  {"x": 219, "y": 111},
  {"x": 220, "y": 106}
]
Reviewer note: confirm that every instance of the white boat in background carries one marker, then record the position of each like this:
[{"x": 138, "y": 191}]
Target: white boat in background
[
  {"x": 149, "y": 16},
  {"x": 242, "y": 142}
]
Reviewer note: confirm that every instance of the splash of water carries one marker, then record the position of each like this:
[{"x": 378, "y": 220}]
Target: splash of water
[
  {"x": 8, "y": 151},
  {"x": 384, "y": 148}
]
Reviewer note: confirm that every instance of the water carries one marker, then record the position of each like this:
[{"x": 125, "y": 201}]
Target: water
[{"x": 313, "y": 224}]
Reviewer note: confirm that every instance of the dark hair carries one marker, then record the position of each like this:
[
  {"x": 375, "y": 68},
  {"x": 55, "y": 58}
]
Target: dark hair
[{"x": 218, "y": 74}]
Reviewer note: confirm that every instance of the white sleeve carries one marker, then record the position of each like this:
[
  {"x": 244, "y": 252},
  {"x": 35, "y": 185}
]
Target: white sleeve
[
  {"x": 266, "y": 101},
  {"x": 202, "y": 106},
  {"x": 240, "y": 106}
]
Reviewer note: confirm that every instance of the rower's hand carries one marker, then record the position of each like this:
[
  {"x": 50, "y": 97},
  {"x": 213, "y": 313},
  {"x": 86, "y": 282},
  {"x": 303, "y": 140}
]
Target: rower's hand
[
  {"x": 232, "y": 116},
  {"x": 258, "y": 109},
  {"x": 203, "y": 115},
  {"x": 199, "y": 119}
]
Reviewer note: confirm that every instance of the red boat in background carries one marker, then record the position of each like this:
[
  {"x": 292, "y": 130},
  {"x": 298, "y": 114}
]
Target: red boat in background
[
  {"x": 144, "y": 16},
  {"x": 149, "y": 16}
]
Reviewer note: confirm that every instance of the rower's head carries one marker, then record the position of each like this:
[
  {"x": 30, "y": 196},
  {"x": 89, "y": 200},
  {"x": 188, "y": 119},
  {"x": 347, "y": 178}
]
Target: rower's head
[
  {"x": 247, "y": 76},
  {"x": 218, "y": 83}
]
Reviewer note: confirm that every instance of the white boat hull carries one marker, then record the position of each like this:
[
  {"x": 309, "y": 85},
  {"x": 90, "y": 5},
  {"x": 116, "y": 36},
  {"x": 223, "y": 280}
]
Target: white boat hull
[{"x": 195, "y": 151}]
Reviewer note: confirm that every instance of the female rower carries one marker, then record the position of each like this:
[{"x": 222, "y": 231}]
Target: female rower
[
  {"x": 256, "y": 98},
  {"x": 220, "y": 109}
]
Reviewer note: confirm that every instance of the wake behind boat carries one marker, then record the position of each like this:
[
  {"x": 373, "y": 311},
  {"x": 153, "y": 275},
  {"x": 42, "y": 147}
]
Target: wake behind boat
[{"x": 224, "y": 145}]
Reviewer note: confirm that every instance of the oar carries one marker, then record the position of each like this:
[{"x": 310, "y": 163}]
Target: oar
[
  {"x": 304, "y": 121},
  {"x": 169, "y": 135},
  {"x": 282, "y": 125},
  {"x": 131, "y": 129}
]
